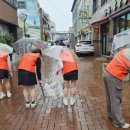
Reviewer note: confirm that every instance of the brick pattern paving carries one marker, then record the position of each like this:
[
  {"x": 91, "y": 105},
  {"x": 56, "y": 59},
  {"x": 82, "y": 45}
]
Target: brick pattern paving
[{"x": 88, "y": 113}]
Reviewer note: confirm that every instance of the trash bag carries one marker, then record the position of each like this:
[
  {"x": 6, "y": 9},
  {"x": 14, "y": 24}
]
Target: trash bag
[
  {"x": 54, "y": 90},
  {"x": 53, "y": 81}
]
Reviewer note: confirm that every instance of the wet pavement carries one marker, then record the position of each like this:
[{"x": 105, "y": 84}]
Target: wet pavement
[{"x": 88, "y": 113}]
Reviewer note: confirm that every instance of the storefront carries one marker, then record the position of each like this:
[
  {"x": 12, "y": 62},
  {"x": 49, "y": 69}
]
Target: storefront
[
  {"x": 101, "y": 36},
  {"x": 122, "y": 23},
  {"x": 116, "y": 19},
  {"x": 8, "y": 19}
]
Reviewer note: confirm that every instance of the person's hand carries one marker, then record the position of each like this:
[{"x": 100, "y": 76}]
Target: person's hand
[
  {"x": 58, "y": 71},
  {"x": 11, "y": 74},
  {"x": 40, "y": 82}
]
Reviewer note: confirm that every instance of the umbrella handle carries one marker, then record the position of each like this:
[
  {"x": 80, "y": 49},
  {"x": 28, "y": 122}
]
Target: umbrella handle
[{"x": 42, "y": 90}]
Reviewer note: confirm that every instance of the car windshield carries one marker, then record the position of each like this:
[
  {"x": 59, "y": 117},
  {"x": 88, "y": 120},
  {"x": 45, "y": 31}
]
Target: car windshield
[{"x": 85, "y": 42}]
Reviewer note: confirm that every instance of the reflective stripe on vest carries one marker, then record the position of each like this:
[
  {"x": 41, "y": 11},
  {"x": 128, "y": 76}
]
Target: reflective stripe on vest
[
  {"x": 3, "y": 61},
  {"x": 28, "y": 62},
  {"x": 119, "y": 66}
]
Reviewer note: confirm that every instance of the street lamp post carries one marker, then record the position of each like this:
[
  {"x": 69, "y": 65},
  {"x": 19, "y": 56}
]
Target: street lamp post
[{"x": 23, "y": 17}]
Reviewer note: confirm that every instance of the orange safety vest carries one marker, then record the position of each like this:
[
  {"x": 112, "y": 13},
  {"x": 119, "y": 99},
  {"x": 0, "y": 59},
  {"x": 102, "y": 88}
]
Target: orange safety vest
[
  {"x": 119, "y": 66},
  {"x": 3, "y": 61},
  {"x": 28, "y": 62},
  {"x": 69, "y": 66}
]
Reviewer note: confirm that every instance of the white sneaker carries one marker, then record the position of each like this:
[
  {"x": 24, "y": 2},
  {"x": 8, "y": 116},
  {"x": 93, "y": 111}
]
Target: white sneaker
[
  {"x": 126, "y": 125},
  {"x": 33, "y": 104},
  {"x": 72, "y": 101},
  {"x": 65, "y": 101},
  {"x": 27, "y": 104},
  {"x": 2, "y": 95},
  {"x": 9, "y": 94}
]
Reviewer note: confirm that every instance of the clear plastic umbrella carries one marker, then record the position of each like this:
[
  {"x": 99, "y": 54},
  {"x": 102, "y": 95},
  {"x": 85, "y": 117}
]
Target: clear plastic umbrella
[
  {"x": 120, "y": 41},
  {"x": 6, "y": 48},
  {"x": 25, "y": 45},
  {"x": 54, "y": 52}
]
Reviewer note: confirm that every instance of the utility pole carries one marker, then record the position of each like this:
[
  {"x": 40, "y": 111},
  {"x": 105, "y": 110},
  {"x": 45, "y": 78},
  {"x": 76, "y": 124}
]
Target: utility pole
[
  {"x": 41, "y": 23},
  {"x": 23, "y": 17}
]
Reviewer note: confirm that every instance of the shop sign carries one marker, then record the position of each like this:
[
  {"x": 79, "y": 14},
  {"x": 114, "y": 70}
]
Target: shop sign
[
  {"x": 83, "y": 15},
  {"x": 124, "y": 1},
  {"x": 21, "y": 5},
  {"x": 83, "y": 12},
  {"x": 118, "y": 3},
  {"x": 96, "y": 29},
  {"x": 115, "y": 5}
]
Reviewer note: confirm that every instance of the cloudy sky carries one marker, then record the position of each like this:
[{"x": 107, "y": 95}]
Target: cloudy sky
[{"x": 59, "y": 11}]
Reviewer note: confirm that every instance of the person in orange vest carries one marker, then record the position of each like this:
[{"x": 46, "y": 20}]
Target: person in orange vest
[
  {"x": 5, "y": 70},
  {"x": 29, "y": 65},
  {"x": 116, "y": 70},
  {"x": 70, "y": 74}
]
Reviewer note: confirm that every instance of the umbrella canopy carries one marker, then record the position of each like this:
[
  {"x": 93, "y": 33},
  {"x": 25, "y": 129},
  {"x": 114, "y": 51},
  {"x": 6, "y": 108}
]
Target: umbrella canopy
[
  {"x": 60, "y": 38},
  {"x": 121, "y": 40},
  {"x": 68, "y": 55},
  {"x": 53, "y": 52},
  {"x": 6, "y": 48},
  {"x": 24, "y": 45}
]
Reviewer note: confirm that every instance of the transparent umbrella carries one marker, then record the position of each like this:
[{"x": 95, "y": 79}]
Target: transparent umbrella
[
  {"x": 6, "y": 48},
  {"x": 54, "y": 52},
  {"x": 120, "y": 41},
  {"x": 24, "y": 45}
]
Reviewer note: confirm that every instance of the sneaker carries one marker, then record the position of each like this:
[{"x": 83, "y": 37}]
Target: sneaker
[
  {"x": 72, "y": 101},
  {"x": 33, "y": 104},
  {"x": 126, "y": 125},
  {"x": 9, "y": 94},
  {"x": 2, "y": 95},
  {"x": 27, "y": 104},
  {"x": 65, "y": 101}
]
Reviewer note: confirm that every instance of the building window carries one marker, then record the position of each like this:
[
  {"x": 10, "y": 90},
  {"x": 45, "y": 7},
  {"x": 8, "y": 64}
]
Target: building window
[
  {"x": 95, "y": 5},
  {"x": 103, "y": 2},
  {"x": 116, "y": 26},
  {"x": 122, "y": 23},
  {"x": 128, "y": 21},
  {"x": 13, "y": 3}
]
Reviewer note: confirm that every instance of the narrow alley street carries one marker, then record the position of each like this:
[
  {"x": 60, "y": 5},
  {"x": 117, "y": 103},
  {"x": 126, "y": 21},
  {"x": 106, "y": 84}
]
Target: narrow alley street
[{"x": 89, "y": 112}]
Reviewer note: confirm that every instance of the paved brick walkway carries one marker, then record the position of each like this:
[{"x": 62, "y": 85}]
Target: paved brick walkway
[{"x": 89, "y": 112}]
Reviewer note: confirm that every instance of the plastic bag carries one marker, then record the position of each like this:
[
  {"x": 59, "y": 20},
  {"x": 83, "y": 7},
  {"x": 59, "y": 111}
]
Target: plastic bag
[{"x": 54, "y": 89}]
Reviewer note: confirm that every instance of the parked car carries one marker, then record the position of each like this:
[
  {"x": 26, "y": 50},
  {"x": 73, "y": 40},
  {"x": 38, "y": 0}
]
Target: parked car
[{"x": 84, "y": 47}]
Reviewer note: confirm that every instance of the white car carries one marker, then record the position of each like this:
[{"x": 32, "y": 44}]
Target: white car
[{"x": 84, "y": 47}]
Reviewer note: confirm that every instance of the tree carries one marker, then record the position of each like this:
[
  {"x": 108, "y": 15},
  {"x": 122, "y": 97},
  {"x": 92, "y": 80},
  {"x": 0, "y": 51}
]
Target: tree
[{"x": 7, "y": 39}]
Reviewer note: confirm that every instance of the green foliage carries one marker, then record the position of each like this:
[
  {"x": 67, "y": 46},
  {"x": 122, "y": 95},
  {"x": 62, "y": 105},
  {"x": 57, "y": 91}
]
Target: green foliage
[{"x": 7, "y": 39}]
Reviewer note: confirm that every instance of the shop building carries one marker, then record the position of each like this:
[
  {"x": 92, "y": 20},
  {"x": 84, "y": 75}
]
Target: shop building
[
  {"x": 109, "y": 18},
  {"x": 81, "y": 15},
  {"x": 8, "y": 19}
]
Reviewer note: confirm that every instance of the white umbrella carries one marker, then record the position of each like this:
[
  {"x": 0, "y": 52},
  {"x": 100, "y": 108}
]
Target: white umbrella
[{"x": 6, "y": 48}]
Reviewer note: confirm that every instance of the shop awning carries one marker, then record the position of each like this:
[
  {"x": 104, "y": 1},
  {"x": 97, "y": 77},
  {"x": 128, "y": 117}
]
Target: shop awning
[{"x": 104, "y": 20}]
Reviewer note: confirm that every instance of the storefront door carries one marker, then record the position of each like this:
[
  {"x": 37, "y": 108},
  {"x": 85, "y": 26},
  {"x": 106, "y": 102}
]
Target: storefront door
[{"x": 104, "y": 38}]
